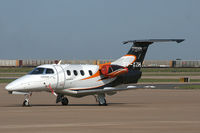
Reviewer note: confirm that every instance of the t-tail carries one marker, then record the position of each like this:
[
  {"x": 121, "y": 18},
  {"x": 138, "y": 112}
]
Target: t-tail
[{"x": 133, "y": 60}]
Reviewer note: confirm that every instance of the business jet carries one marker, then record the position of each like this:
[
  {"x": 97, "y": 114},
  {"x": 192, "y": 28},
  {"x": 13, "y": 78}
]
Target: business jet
[{"x": 82, "y": 80}]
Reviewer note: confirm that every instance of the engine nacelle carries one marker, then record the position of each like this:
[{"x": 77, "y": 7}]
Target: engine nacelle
[{"x": 113, "y": 70}]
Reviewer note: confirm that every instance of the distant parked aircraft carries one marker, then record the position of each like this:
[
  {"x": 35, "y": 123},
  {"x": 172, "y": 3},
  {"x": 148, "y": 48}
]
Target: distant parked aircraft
[{"x": 83, "y": 80}]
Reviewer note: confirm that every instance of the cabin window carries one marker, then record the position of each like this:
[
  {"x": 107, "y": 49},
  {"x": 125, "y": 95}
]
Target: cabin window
[
  {"x": 37, "y": 71},
  {"x": 75, "y": 73},
  {"x": 90, "y": 72},
  {"x": 82, "y": 72},
  {"x": 68, "y": 72},
  {"x": 49, "y": 71}
]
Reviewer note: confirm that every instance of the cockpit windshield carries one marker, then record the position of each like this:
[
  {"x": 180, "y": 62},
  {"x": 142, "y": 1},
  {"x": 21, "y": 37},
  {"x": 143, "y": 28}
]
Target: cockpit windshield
[{"x": 38, "y": 70}]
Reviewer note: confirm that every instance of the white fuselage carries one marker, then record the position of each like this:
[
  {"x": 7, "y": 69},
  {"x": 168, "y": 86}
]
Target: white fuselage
[{"x": 63, "y": 79}]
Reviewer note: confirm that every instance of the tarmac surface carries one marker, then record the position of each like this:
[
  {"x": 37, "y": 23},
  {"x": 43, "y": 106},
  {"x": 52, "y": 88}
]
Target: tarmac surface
[{"x": 159, "y": 110}]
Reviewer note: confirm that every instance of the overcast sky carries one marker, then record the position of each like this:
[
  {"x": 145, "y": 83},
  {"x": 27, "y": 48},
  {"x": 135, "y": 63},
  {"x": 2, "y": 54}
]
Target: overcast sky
[{"x": 94, "y": 29}]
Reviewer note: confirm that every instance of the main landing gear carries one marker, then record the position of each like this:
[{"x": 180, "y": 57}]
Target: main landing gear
[
  {"x": 26, "y": 100},
  {"x": 62, "y": 99},
  {"x": 101, "y": 99}
]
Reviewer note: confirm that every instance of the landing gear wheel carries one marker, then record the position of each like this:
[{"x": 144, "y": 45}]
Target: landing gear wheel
[
  {"x": 26, "y": 103},
  {"x": 26, "y": 100},
  {"x": 103, "y": 104},
  {"x": 64, "y": 101},
  {"x": 101, "y": 99}
]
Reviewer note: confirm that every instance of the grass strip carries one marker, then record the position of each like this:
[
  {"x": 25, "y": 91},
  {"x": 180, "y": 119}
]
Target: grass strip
[
  {"x": 188, "y": 87},
  {"x": 6, "y": 80},
  {"x": 11, "y": 75},
  {"x": 171, "y": 74},
  {"x": 158, "y": 80},
  {"x": 15, "y": 69},
  {"x": 170, "y": 69},
  {"x": 165, "y": 80}
]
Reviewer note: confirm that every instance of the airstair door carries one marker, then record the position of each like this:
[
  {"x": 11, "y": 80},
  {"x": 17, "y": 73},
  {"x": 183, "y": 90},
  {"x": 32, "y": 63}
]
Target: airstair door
[{"x": 60, "y": 76}]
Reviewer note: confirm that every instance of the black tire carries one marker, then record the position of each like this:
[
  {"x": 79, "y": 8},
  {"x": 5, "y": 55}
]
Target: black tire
[
  {"x": 64, "y": 101},
  {"x": 103, "y": 104},
  {"x": 26, "y": 103}
]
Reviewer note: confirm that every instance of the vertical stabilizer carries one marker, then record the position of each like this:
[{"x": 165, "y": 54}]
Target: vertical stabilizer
[{"x": 135, "y": 56}]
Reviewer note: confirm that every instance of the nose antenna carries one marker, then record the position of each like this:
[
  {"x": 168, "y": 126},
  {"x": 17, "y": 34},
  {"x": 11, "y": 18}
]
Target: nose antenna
[{"x": 59, "y": 62}]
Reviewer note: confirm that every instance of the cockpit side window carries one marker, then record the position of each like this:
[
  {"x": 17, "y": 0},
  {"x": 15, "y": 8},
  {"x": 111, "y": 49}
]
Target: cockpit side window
[
  {"x": 37, "y": 71},
  {"x": 49, "y": 71}
]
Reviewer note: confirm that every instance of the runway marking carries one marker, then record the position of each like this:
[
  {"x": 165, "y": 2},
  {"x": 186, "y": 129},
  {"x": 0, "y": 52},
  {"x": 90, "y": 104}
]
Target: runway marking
[
  {"x": 97, "y": 124},
  {"x": 59, "y": 125},
  {"x": 57, "y": 109}
]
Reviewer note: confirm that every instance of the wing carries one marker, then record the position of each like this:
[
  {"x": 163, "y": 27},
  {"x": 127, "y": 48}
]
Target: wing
[{"x": 106, "y": 90}]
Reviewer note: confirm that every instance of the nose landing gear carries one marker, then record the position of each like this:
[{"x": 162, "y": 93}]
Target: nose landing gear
[{"x": 26, "y": 100}]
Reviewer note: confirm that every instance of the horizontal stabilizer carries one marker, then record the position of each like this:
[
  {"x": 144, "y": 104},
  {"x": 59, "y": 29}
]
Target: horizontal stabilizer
[{"x": 150, "y": 41}]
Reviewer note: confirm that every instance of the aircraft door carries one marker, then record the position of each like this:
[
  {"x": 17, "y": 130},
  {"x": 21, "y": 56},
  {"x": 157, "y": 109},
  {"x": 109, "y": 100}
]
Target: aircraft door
[
  {"x": 50, "y": 78},
  {"x": 60, "y": 77}
]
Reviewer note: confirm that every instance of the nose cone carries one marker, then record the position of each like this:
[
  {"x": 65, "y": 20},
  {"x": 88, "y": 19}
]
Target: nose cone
[
  {"x": 25, "y": 83},
  {"x": 10, "y": 86},
  {"x": 7, "y": 87},
  {"x": 16, "y": 84}
]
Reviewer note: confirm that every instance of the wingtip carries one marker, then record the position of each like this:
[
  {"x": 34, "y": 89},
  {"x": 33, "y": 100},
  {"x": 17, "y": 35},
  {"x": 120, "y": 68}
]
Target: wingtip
[
  {"x": 180, "y": 40},
  {"x": 124, "y": 42}
]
